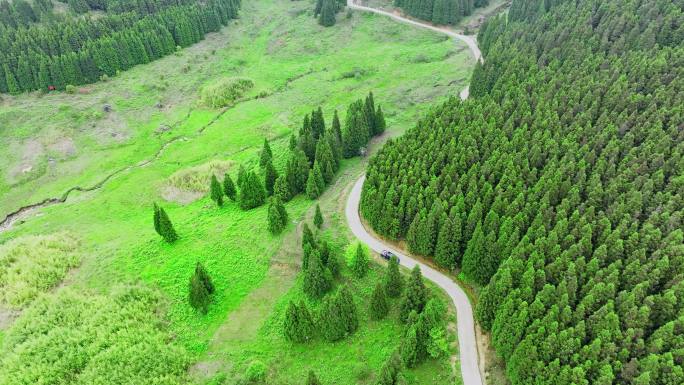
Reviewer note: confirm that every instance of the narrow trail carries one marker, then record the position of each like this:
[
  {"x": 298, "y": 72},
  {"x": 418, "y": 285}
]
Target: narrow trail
[{"x": 468, "y": 352}]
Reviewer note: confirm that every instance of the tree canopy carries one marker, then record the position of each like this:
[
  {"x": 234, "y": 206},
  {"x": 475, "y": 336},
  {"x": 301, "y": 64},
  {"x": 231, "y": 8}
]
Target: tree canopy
[{"x": 560, "y": 184}]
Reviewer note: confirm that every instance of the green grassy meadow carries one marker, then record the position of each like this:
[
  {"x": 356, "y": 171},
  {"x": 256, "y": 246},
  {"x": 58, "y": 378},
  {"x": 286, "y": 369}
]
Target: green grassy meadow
[{"x": 296, "y": 66}]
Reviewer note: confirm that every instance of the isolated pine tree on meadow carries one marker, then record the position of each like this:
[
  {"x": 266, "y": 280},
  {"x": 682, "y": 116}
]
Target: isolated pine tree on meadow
[
  {"x": 317, "y": 281},
  {"x": 215, "y": 191},
  {"x": 200, "y": 289},
  {"x": 165, "y": 226}
]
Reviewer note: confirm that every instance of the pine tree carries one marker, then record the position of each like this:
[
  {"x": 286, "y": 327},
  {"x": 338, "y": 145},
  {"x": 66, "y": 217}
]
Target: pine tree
[
  {"x": 277, "y": 216},
  {"x": 312, "y": 379},
  {"x": 409, "y": 348},
  {"x": 241, "y": 176},
  {"x": 313, "y": 189},
  {"x": 378, "y": 305},
  {"x": 215, "y": 191},
  {"x": 390, "y": 373},
  {"x": 336, "y": 128},
  {"x": 200, "y": 289},
  {"x": 166, "y": 229},
  {"x": 316, "y": 281},
  {"x": 157, "y": 225},
  {"x": 474, "y": 258},
  {"x": 204, "y": 277},
  {"x": 229, "y": 187},
  {"x": 347, "y": 306},
  {"x": 357, "y": 258},
  {"x": 270, "y": 177},
  {"x": 445, "y": 250},
  {"x": 380, "y": 124},
  {"x": 298, "y": 324},
  {"x": 281, "y": 189},
  {"x": 369, "y": 112},
  {"x": 266, "y": 155},
  {"x": 318, "y": 217},
  {"x": 252, "y": 193},
  {"x": 327, "y": 16},
  {"x": 308, "y": 237},
  {"x": 330, "y": 320},
  {"x": 393, "y": 281},
  {"x": 415, "y": 295}
]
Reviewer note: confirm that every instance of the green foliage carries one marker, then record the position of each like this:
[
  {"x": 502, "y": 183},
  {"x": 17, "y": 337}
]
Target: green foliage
[
  {"x": 123, "y": 35},
  {"x": 200, "y": 289},
  {"x": 317, "y": 279},
  {"x": 378, "y": 305},
  {"x": 215, "y": 191},
  {"x": 357, "y": 257},
  {"x": 81, "y": 338},
  {"x": 312, "y": 379},
  {"x": 31, "y": 265},
  {"x": 266, "y": 154},
  {"x": 318, "y": 217},
  {"x": 393, "y": 281},
  {"x": 256, "y": 371},
  {"x": 252, "y": 193},
  {"x": 277, "y": 216},
  {"x": 390, "y": 373},
  {"x": 338, "y": 317},
  {"x": 229, "y": 187},
  {"x": 544, "y": 197},
  {"x": 163, "y": 225},
  {"x": 327, "y": 13},
  {"x": 415, "y": 295},
  {"x": 298, "y": 325},
  {"x": 270, "y": 177},
  {"x": 224, "y": 92}
]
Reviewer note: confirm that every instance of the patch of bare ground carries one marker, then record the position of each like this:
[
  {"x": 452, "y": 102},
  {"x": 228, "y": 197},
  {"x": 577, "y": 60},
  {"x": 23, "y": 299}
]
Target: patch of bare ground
[
  {"x": 7, "y": 317},
  {"x": 63, "y": 147},
  {"x": 32, "y": 152}
]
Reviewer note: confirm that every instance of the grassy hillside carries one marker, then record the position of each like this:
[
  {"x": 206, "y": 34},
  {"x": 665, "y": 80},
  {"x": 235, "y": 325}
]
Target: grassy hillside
[{"x": 56, "y": 141}]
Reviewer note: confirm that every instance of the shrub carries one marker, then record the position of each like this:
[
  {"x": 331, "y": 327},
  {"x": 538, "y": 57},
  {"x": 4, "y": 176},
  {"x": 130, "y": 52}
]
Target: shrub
[
  {"x": 71, "y": 337},
  {"x": 31, "y": 265},
  {"x": 225, "y": 91},
  {"x": 70, "y": 89},
  {"x": 198, "y": 178},
  {"x": 256, "y": 371}
]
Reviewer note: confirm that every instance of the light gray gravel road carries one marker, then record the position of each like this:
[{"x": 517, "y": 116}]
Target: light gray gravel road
[{"x": 464, "y": 312}]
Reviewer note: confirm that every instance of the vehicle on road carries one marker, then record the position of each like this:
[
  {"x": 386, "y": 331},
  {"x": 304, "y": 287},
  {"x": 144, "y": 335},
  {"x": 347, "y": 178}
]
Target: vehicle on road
[{"x": 387, "y": 255}]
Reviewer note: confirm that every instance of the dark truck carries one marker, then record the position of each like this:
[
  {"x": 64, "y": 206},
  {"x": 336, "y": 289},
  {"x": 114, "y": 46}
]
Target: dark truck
[{"x": 387, "y": 255}]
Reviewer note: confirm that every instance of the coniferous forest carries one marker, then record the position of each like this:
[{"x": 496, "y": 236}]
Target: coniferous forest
[
  {"x": 39, "y": 51},
  {"x": 440, "y": 11},
  {"x": 558, "y": 187}
]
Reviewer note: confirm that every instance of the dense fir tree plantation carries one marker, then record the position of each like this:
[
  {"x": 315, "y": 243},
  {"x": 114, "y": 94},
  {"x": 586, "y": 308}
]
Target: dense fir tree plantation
[
  {"x": 559, "y": 187},
  {"x": 71, "y": 51},
  {"x": 440, "y": 11}
]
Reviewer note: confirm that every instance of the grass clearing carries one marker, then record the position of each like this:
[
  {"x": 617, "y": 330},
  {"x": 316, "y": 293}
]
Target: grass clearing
[{"x": 278, "y": 45}]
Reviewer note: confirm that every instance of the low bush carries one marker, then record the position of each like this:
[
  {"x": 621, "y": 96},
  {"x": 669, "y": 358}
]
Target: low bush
[
  {"x": 196, "y": 179},
  {"x": 31, "y": 265},
  {"x": 225, "y": 91},
  {"x": 77, "y": 338}
]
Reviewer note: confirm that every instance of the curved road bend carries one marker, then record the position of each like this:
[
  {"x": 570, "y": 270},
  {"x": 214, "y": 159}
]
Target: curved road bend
[
  {"x": 464, "y": 312},
  {"x": 470, "y": 369}
]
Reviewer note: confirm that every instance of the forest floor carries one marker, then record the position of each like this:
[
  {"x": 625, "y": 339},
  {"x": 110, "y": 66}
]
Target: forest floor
[{"x": 56, "y": 141}]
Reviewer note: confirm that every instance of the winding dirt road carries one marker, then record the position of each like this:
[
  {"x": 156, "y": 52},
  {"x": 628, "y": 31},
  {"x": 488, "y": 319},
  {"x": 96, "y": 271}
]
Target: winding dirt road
[{"x": 470, "y": 369}]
